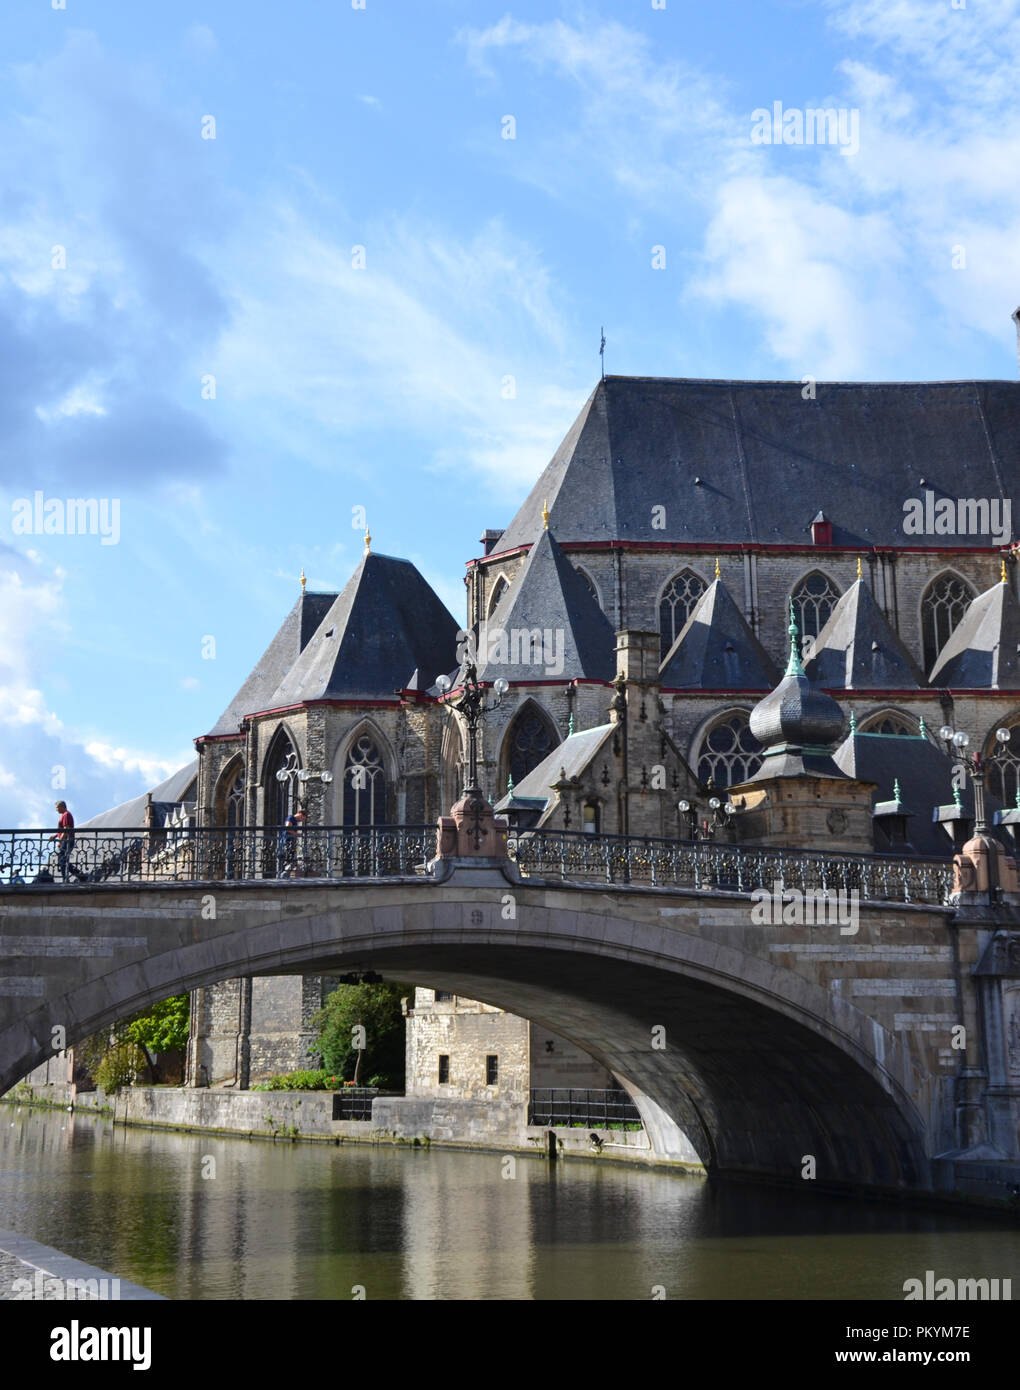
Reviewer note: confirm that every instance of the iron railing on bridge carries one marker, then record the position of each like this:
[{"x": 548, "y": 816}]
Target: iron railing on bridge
[
  {"x": 561, "y": 1107},
  {"x": 190, "y": 854},
  {"x": 631, "y": 859}
]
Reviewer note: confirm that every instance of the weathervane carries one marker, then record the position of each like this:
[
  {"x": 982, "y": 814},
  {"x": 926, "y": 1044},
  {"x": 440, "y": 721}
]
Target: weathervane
[{"x": 602, "y": 352}]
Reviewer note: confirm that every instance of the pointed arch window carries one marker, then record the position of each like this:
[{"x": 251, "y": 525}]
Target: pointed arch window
[
  {"x": 679, "y": 599},
  {"x": 1004, "y": 772},
  {"x": 590, "y": 583},
  {"x": 498, "y": 590},
  {"x": 280, "y": 797},
  {"x": 814, "y": 598},
  {"x": 235, "y": 801},
  {"x": 945, "y": 601},
  {"x": 889, "y": 722},
  {"x": 729, "y": 752},
  {"x": 530, "y": 739},
  {"x": 452, "y": 763},
  {"x": 364, "y": 783}
]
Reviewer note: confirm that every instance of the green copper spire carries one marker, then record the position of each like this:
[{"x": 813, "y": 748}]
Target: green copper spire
[
  {"x": 570, "y": 724},
  {"x": 509, "y": 784},
  {"x": 958, "y": 797},
  {"x": 853, "y": 722},
  {"x": 897, "y": 794},
  {"x": 1018, "y": 798},
  {"x": 921, "y": 729},
  {"x": 794, "y": 668}
]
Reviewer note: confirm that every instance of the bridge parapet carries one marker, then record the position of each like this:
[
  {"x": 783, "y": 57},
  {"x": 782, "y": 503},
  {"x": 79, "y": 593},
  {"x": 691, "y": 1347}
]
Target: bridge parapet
[
  {"x": 342, "y": 852},
  {"x": 193, "y": 854},
  {"x": 622, "y": 859}
]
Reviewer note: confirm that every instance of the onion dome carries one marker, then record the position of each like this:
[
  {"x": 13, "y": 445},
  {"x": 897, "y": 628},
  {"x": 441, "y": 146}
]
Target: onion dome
[{"x": 796, "y": 724}]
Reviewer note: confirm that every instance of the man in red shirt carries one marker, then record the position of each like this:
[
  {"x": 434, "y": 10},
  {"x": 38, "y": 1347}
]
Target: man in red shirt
[{"x": 65, "y": 842}]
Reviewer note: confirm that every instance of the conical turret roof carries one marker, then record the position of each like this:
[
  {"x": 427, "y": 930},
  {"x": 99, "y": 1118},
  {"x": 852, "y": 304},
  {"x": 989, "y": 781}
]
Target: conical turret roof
[
  {"x": 858, "y": 650},
  {"x": 385, "y": 624},
  {"x": 548, "y": 597},
  {"x": 294, "y": 634},
  {"x": 982, "y": 652},
  {"x": 717, "y": 649}
]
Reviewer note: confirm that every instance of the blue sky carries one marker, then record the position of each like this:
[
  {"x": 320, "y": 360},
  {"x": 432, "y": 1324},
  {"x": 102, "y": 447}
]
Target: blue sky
[{"x": 339, "y": 386}]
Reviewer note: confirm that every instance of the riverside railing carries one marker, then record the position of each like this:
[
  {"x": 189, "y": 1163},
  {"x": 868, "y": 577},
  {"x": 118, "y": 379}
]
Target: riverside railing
[
  {"x": 561, "y": 1107},
  {"x": 630, "y": 859},
  {"x": 192, "y": 854}
]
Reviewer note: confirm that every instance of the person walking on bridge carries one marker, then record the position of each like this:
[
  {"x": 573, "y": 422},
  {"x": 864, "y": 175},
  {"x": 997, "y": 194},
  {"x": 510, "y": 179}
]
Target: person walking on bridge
[{"x": 65, "y": 843}]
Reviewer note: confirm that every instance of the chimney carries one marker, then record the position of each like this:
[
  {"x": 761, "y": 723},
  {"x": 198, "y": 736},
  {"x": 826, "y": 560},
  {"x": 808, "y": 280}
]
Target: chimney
[{"x": 1016, "y": 320}]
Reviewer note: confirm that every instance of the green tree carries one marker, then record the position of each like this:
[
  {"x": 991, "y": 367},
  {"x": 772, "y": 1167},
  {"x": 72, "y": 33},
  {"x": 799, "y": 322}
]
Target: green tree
[
  {"x": 164, "y": 1028},
  {"x": 115, "y": 1057},
  {"x": 377, "y": 1009}
]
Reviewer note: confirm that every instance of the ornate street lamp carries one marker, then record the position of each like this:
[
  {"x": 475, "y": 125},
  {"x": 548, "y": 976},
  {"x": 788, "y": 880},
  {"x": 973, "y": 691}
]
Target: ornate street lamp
[
  {"x": 295, "y": 775},
  {"x": 957, "y": 742},
  {"x": 722, "y": 816},
  {"x": 473, "y": 707}
]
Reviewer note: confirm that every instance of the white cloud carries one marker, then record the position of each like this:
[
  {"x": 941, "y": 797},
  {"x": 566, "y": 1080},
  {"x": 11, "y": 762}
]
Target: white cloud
[
  {"x": 425, "y": 337},
  {"x": 45, "y": 750},
  {"x": 151, "y": 769}
]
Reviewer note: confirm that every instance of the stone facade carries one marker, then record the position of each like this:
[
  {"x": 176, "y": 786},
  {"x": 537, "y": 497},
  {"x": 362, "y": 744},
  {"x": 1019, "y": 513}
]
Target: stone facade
[{"x": 467, "y": 1034}]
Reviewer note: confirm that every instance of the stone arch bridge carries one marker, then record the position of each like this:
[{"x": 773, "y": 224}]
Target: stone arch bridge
[{"x": 873, "y": 1040}]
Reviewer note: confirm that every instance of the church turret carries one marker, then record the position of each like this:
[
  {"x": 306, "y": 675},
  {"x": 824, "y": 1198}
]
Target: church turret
[{"x": 799, "y": 796}]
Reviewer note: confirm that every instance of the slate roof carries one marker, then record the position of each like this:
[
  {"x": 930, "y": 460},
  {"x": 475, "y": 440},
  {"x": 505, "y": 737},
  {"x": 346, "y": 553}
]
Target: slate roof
[
  {"x": 386, "y": 624},
  {"x": 572, "y": 755},
  {"x": 717, "y": 650},
  {"x": 982, "y": 652},
  {"x": 858, "y": 650},
  {"x": 285, "y": 648},
  {"x": 925, "y": 776},
  {"x": 859, "y": 450},
  {"x": 178, "y": 787},
  {"x": 549, "y": 594}
]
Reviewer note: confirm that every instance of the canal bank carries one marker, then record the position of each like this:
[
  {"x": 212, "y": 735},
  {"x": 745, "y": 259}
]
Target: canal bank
[
  {"x": 309, "y": 1116},
  {"x": 30, "y": 1271}
]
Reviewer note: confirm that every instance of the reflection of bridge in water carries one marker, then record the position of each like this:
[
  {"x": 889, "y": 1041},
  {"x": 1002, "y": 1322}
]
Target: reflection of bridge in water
[{"x": 871, "y": 1052}]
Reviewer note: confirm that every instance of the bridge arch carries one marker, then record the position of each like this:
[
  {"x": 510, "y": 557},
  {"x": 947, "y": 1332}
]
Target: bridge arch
[{"x": 759, "y": 1066}]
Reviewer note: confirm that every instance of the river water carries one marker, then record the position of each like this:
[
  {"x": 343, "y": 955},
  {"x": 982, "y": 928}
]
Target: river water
[{"x": 197, "y": 1217}]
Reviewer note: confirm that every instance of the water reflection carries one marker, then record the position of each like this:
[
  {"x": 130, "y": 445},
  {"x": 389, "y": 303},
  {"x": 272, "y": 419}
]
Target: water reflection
[{"x": 194, "y": 1216}]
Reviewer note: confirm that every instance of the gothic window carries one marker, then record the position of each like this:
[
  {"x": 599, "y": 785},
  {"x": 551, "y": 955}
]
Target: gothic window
[
  {"x": 364, "y": 784},
  {"x": 729, "y": 752},
  {"x": 1004, "y": 773},
  {"x": 452, "y": 763},
  {"x": 498, "y": 590},
  {"x": 889, "y": 723},
  {"x": 281, "y": 798},
  {"x": 235, "y": 801},
  {"x": 590, "y": 583},
  {"x": 530, "y": 738},
  {"x": 677, "y": 604},
  {"x": 945, "y": 601},
  {"x": 814, "y": 598}
]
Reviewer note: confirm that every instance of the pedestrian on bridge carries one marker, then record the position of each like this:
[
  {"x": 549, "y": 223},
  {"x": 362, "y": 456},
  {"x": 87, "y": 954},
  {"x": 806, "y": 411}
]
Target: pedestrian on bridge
[{"x": 65, "y": 843}]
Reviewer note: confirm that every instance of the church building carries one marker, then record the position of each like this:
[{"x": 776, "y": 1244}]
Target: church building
[{"x": 640, "y": 606}]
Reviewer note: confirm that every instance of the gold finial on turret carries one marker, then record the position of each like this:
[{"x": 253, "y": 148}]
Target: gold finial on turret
[
  {"x": 304, "y": 581},
  {"x": 368, "y": 541},
  {"x": 718, "y": 571},
  {"x": 860, "y": 568},
  {"x": 1002, "y": 570},
  {"x": 545, "y": 515}
]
